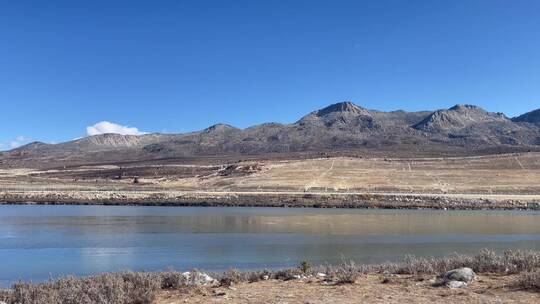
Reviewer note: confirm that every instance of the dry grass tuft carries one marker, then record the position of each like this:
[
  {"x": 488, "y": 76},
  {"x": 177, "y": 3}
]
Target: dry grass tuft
[
  {"x": 231, "y": 277},
  {"x": 348, "y": 273},
  {"x": 304, "y": 267},
  {"x": 530, "y": 280},
  {"x": 172, "y": 280}
]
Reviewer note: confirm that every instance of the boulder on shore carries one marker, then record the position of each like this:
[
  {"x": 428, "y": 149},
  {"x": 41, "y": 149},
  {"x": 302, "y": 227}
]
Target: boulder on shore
[
  {"x": 463, "y": 274},
  {"x": 196, "y": 278}
]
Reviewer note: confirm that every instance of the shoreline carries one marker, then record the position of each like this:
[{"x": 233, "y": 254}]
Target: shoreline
[
  {"x": 513, "y": 276},
  {"x": 274, "y": 199},
  {"x": 509, "y": 182}
]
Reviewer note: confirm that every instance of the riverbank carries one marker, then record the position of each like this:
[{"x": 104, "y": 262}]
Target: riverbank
[
  {"x": 497, "y": 182},
  {"x": 273, "y": 199},
  {"x": 489, "y": 288},
  {"x": 513, "y": 277}
]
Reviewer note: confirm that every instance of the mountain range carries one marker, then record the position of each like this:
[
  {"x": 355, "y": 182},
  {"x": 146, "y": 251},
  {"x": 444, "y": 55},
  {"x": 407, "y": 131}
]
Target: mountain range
[{"x": 343, "y": 126}]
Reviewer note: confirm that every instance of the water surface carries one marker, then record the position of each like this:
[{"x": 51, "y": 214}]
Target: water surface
[{"x": 38, "y": 242}]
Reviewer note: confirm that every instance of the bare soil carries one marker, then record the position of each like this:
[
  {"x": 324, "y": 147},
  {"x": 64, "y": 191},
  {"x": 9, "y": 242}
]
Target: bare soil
[{"x": 367, "y": 289}]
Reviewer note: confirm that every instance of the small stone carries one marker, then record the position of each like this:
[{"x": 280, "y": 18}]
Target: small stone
[
  {"x": 265, "y": 277},
  {"x": 321, "y": 275}
]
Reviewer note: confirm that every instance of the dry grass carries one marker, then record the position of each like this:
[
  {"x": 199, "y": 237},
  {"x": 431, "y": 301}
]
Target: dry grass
[
  {"x": 497, "y": 174},
  {"x": 505, "y": 174},
  {"x": 530, "y": 280},
  {"x": 486, "y": 261},
  {"x": 125, "y": 288},
  {"x": 142, "y": 288}
]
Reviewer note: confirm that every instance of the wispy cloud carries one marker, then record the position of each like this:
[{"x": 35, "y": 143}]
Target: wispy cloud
[
  {"x": 18, "y": 141},
  {"x": 14, "y": 143},
  {"x": 110, "y": 127}
]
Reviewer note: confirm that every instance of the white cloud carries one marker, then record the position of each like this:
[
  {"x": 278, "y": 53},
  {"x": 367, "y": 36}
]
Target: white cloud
[
  {"x": 18, "y": 141},
  {"x": 14, "y": 143},
  {"x": 110, "y": 127}
]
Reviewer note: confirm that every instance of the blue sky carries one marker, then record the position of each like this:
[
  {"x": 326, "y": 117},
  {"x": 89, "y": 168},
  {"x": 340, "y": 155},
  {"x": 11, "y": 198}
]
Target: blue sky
[{"x": 176, "y": 66}]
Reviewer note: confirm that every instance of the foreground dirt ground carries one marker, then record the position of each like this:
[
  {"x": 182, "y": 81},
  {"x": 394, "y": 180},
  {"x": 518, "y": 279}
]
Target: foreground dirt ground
[{"x": 367, "y": 289}]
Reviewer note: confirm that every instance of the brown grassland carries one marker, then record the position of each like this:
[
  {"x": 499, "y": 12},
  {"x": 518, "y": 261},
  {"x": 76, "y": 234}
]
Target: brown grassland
[{"x": 511, "y": 181}]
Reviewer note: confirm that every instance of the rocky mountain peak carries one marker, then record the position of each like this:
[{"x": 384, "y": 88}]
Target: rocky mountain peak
[
  {"x": 341, "y": 116},
  {"x": 219, "y": 128},
  {"x": 465, "y": 108},
  {"x": 345, "y": 106},
  {"x": 457, "y": 117}
]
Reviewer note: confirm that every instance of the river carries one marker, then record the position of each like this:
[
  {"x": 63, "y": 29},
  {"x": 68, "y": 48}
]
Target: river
[{"x": 40, "y": 242}]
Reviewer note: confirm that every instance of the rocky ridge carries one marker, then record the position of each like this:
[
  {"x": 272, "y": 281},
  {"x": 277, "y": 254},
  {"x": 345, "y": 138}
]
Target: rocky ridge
[{"x": 343, "y": 126}]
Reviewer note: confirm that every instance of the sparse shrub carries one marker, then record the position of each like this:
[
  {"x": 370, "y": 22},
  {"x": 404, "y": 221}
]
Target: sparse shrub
[
  {"x": 140, "y": 288},
  {"x": 346, "y": 276},
  {"x": 414, "y": 265},
  {"x": 172, "y": 280},
  {"x": 530, "y": 280},
  {"x": 518, "y": 261},
  {"x": 347, "y": 273},
  {"x": 488, "y": 261},
  {"x": 286, "y": 274},
  {"x": 120, "y": 288},
  {"x": 256, "y": 276},
  {"x": 387, "y": 268},
  {"x": 231, "y": 277},
  {"x": 512, "y": 261},
  {"x": 304, "y": 267}
]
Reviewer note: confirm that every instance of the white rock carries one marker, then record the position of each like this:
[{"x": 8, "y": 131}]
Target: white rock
[
  {"x": 198, "y": 278},
  {"x": 298, "y": 277},
  {"x": 464, "y": 274},
  {"x": 321, "y": 275},
  {"x": 265, "y": 278},
  {"x": 455, "y": 284}
]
